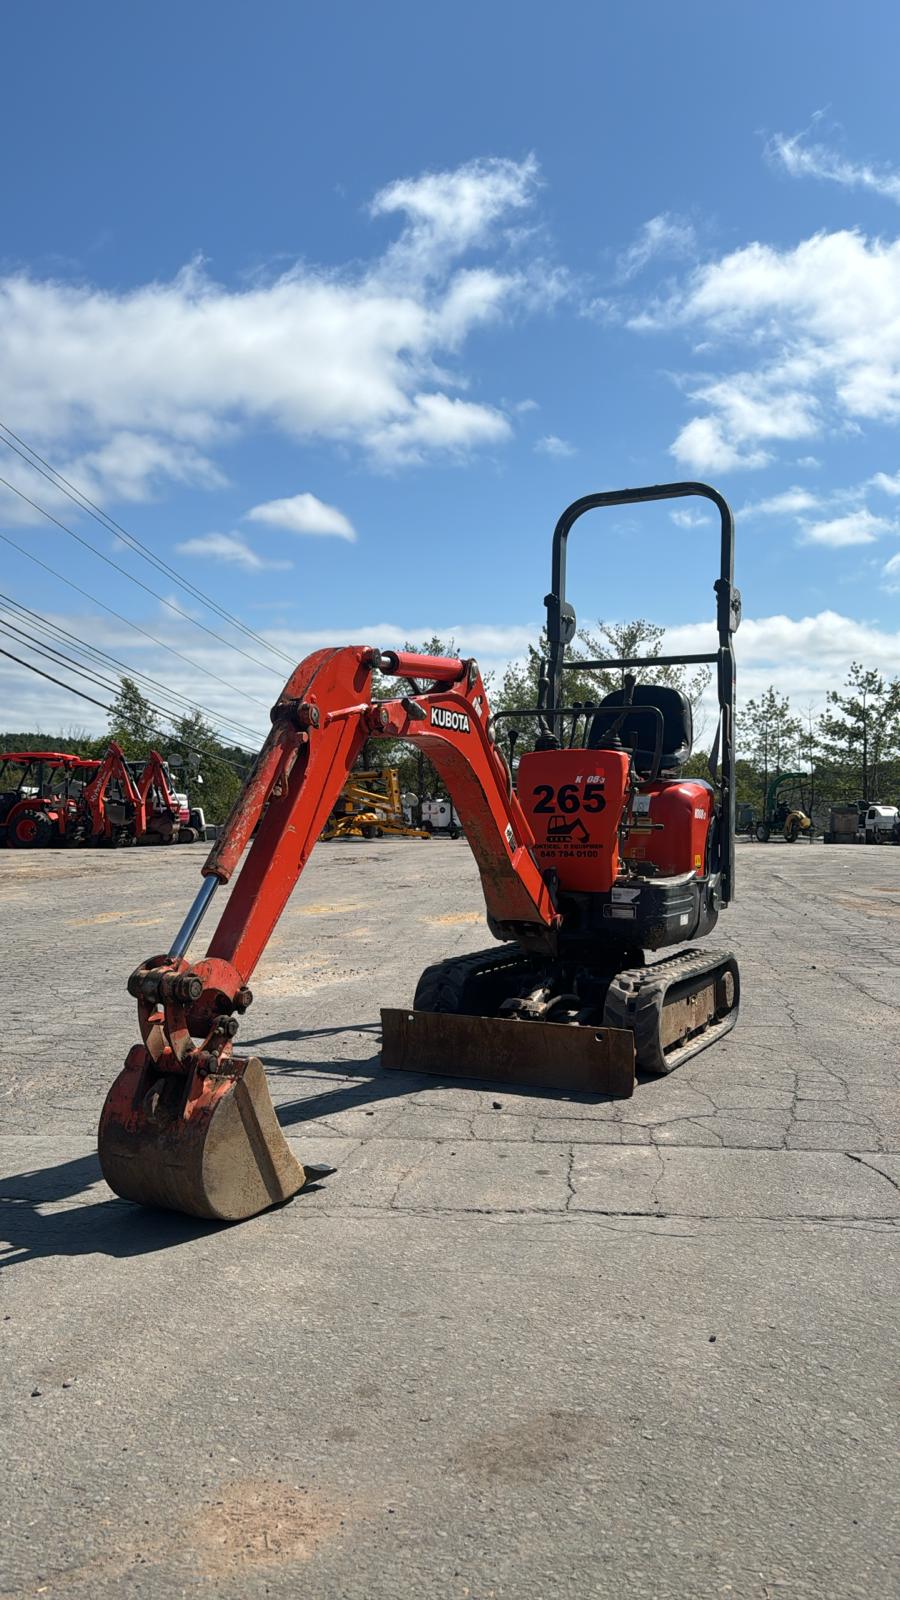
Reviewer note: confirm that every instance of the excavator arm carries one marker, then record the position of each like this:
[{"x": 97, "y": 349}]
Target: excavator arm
[
  {"x": 320, "y": 723},
  {"x": 189, "y": 1125},
  {"x": 154, "y": 776},
  {"x": 113, "y": 768}
]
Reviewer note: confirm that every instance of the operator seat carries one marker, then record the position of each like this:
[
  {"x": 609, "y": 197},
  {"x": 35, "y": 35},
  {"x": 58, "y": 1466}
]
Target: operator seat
[{"x": 640, "y": 730}]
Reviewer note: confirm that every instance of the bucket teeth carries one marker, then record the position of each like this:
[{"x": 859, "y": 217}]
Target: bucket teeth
[{"x": 210, "y": 1147}]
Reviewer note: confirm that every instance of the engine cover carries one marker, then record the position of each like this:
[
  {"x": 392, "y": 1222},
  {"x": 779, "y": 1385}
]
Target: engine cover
[{"x": 680, "y": 811}]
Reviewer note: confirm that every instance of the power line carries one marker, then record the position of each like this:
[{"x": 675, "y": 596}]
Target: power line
[
  {"x": 89, "y": 651},
  {"x": 32, "y": 668},
  {"x": 139, "y": 583},
  {"x": 96, "y": 657},
  {"x": 52, "y": 654},
  {"x": 195, "y": 665},
  {"x": 209, "y": 755},
  {"x": 37, "y": 462}
]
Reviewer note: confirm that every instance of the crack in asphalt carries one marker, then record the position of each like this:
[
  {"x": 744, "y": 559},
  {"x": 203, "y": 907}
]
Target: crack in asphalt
[{"x": 872, "y": 1168}]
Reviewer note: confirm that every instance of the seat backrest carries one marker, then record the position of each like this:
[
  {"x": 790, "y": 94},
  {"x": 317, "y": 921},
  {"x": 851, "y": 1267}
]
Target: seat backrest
[{"x": 641, "y": 730}]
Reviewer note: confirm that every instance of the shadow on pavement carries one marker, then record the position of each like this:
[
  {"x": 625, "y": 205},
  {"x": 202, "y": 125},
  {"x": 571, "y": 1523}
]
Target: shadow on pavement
[
  {"x": 373, "y": 1083},
  {"x": 99, "y": 1227},
  {"x": 113, "y": 1227},
  {"x": 291, "y": 1035},
  {"x": 370, "y": 1085}
]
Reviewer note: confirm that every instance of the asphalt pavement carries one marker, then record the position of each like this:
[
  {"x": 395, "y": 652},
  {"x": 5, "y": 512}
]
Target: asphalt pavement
[{"x": 520, "y": 1344}]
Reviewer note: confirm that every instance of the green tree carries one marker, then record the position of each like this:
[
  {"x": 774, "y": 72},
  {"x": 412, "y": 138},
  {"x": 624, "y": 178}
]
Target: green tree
[
  {"x": 132, "y": 720},
  {"x": 212, "y": 773},
  {"x": 768, "y": 737},
  {"x": 860, "y": 732},
  {"x": 606, "y": 641}
]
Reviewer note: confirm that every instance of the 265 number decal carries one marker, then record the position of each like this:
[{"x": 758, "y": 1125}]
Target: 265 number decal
[{"x": 566, "y": 798}]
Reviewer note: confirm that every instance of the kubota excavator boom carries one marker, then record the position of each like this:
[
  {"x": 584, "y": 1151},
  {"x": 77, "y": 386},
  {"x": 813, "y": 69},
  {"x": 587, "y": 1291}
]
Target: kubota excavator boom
[{"x": 189, "y": 1125}]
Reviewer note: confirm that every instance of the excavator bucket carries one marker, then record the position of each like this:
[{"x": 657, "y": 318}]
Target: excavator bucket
[
  {"x": 537, "y": 1055},
  {"x": 208, "y": 1146}
]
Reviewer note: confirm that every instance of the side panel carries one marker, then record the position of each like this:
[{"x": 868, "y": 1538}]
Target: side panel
[
  {"x": 573, "y": 800},
  {"x": 681, "y": 814}
]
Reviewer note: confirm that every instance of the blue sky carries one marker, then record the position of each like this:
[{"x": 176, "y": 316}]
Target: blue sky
[{"x": 337, "y": 309}]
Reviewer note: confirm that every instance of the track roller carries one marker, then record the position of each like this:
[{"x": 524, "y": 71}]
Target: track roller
[{"x": 676, "y": 1007}]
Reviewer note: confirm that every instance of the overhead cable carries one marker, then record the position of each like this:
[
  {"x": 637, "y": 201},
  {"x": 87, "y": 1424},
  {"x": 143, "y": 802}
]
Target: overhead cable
[
  {"x": 86, "y": 504},
  {"x": 58, "y": 657},
  {"x": 209, "y": 755},
  {"x": 195, "y": 665},
  {"x": 56, "y": 631},
  {"x": 185, "y": 615}
]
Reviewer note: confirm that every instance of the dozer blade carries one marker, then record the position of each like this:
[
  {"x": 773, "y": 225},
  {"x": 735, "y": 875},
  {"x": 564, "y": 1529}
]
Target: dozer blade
[
  {"x": 210, "y": 1147},
  {"x": 537, "y": 1055}
]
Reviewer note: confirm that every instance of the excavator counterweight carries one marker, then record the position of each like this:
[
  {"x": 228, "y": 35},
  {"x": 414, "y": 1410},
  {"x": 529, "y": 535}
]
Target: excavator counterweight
[{"x": 600, "y": 855}]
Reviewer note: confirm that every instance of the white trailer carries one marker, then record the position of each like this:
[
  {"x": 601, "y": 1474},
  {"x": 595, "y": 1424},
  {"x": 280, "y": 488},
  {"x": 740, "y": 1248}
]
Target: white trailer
[
  {"x": 439, "y": 816},
  {"x": 880, "y": 825}
]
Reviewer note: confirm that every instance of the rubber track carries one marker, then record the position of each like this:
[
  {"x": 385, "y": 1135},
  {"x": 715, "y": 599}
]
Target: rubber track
[
  {"x": 442, "y": 986},
  {"x": 636, "y": 998}
]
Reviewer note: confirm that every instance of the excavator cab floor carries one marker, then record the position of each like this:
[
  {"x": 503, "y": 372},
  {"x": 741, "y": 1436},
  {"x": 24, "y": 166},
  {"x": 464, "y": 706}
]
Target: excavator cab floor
[
  {"x": 537, "y": 1055},
  {"x": 209, "y": 1147}
]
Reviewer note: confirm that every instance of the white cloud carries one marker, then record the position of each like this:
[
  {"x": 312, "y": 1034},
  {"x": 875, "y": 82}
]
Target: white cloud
[
  {"x": 857, "y": 527},
  {"x": 804, "y": 160},
  {"x": 821, "y": 321},
  {"x": 230, "y": 548},
  {"x": 522, "y": 406},
  {"x": 451, "y": 212},
  {"x": 173, "y": 601},
  {"x": 662, "y": 235},
  {"x": 132, "y": 466},
  {"x": 891, "y": 571},
  {"x": 889, "y": 484},
  {"x": 687, "y": 518},
  {"x": 304, "y": 513},
  {"x": 803, "y": 657},
  {"x": 551, "y": 445},
  {"x": 702, "y": 447},
  {"x": 790, "y": 502},
  {"x": 140, "y": 385},
  {"x": 808, "y": 461},
  {"x": 435, "y": 422}
]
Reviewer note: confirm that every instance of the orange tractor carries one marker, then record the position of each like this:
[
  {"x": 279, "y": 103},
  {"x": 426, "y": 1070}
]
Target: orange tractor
[
  {"x": 604, "y": 856},
  {"x": 56, "y": 798},
  {"x": 41, "y": 797}
]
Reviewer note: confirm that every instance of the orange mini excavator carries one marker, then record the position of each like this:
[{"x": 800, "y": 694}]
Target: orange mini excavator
[
  {"x": 603, "y": 855},
  {"x": 129, "y": 803}
]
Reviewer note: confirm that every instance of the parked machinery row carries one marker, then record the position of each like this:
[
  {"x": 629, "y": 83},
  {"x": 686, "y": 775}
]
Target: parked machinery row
[
  {"x": 51, "y": 797},
  {"x": 861, "y": 823},
  {"x": 858, "y": 822}
]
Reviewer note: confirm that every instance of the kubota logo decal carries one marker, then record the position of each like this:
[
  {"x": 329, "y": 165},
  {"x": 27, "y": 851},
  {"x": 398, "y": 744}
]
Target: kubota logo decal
[{"x": 456, "y": 721}]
